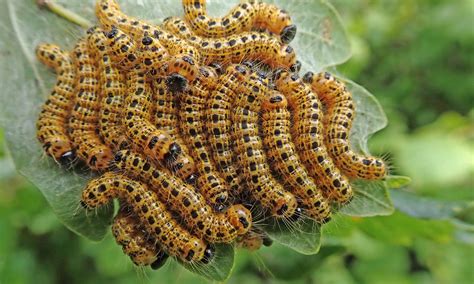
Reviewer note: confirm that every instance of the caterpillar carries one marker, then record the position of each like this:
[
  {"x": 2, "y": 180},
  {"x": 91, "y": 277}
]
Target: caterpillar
[
  {"x": 155, "y": 143},
  {"x": 182, "y": 65},
  {"x": 85, "y": 113},
  {"x": 338, "y": 122},
  {"x": 218, "y": 125},
  {"x": 140, "y": 246},
  {"x": 254, "y": 239},
  {"x": 154, "y": 216},
  {"x": 307, "y": 133},
  {"x": 249, "y": 147},
  {"x": 243, "y": 17},
  {"x": 122, "y": 49},
  {"x": 284, "y": 160},
  {"x": 113, "y": 90},
  {"x": 192, "y": 125},
  {"x": 181, "y": 198},
  {"x": 51, "y": 125},
  {"x": 235, "y": 48},
  {"x": 164, "y": 117}
]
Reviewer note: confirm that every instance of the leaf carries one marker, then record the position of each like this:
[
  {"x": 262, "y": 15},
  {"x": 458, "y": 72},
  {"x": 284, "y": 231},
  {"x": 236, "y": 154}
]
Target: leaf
[
  {"x": 370, "y": 199},
  {"x": 303, "y": 236},
  {"x": 221, "y": 265},
  {"x": 430, "y": 208},
  {"x": 395, "y": 182},
  {"x": 287, "y": 265}
]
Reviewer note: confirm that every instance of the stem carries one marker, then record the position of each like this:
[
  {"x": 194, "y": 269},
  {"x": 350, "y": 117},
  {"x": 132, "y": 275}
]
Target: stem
[{"x": 64, "y": 13}]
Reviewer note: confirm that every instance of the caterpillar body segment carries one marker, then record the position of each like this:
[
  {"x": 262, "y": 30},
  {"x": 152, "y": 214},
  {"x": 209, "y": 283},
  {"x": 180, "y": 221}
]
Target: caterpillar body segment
[
  {"x": 248, "y": 146},
  {"x": 112, "y": 95},
  {"x": 84, "y": 119},
  {"x": 183, "y": 61},
  {"x": 136, "y": 242},
  {"x": 193, "y": 127},
  {"x": 52, "y": 121},
  {"x": 340, "y": 112},
  {"x": 307, "y": 132},
  {"x": 236, "y": 48},
  {"x": 253, "y": 240},
  {"x": 218, "y": 125},
  {"x": 183, "y": 199},
  {"x": 243, "y": 17},
  {"x": 284, "y": 159},
  {"x": 155, "y": 143},
  {"x": 154, "y": 216}
]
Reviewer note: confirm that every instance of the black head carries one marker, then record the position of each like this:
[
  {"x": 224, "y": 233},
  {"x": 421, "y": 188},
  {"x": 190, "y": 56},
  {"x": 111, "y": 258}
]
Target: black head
[
  {"x": 217, "y": 67},
  {"x": 176, "y": 83},
  {"x": 208, "y": 254},
  {"x": 297, "y": 215},
  {"x": 67, "y": 159},
  {"x": 173, "y": 151},
  {"x": 288, "y": 33},
  {"x": 295, "y": 68},
  {"x": 308, "y": 77},
  {"x": 161, "y": 259}
]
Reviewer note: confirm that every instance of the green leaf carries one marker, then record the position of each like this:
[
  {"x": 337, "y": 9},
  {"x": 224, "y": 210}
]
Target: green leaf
[
  {"x": 303, "y": 236},
  {"x": 285, "y": 264},
  {"x": 395, "y": 182},
  {"x": 220, "y": 267},
  {"x": 370, "y": 199},
  {"x": 430, "y": 208}
]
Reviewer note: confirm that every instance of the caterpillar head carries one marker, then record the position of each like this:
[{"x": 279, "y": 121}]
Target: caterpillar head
[
  {"x": 274, "y": 100},
  {"x": 208, "y": 76},
  {"x": 100, "y": 158},
  {"x": 240, "y": 218},
  {"x": 98, "y": 192},
  {"x": 286, "y": 57},
  {"x": 285, "y": 81},
  {"x": 194, "y": 250},
  {"x": 285, "y": 207}
]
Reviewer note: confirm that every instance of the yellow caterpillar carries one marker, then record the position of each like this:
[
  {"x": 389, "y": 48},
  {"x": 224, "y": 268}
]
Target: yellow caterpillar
[
  {"x": 193, "y": 126},
  {"x": 154, "y": 216},
  {"x": 138, "y": 244},
  {"x": 338, "y": 122},
  {"x": 260, "y": 183},
  {"x": 284, "y": 160},
  {"x": 184, "y": 59},
  {"x": 218, "y": 125},
  {"x": 181, "y": 198},
  {"x": 236, "y": 48},
  {"x": 51, "y": 124},
  {"x": 113, "y": 92},
  {"x": 85, "y": 113},
  {"x": 307, "y": 133},
  {"x": 253, "y": 240},
  {"x": 243, "y": 17}
]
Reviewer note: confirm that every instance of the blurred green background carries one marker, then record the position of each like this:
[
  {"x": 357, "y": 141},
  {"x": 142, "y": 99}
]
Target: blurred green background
[{"x": 417, "y": 58}]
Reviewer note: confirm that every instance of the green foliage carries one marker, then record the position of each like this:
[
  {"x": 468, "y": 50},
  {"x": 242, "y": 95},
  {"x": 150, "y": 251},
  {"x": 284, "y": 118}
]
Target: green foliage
[{"x": 417, "y": 66}]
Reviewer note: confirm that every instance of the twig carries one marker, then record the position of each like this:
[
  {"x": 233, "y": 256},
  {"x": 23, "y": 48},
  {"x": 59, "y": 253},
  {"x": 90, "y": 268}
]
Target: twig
[{"x": 64, "y": 13}]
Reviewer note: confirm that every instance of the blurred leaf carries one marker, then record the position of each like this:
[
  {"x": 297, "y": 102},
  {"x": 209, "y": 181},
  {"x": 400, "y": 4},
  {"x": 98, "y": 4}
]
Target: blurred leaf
[
  {"x": 285, "y": 264},
  {"x": 395, "y": 182},
  {"x": 429, "y": 208}
]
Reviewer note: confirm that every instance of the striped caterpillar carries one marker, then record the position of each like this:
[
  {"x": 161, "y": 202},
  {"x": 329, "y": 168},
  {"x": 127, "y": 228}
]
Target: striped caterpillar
[
  {"x": 248, "y": 146},
  {"x": 243, "y": 17},
  {"x": 154, "y": 216},
  {"x": 236, "y": 48},
  {"x": 113, "y": 91},
  {"x": 218, "y": 125},
  {"x": 85, "y": 113},
  {"x": 181, "y": 198},
  {"x": 155, "y": 143},
  {"x": 338, "y": 122},
  {"x": 307, "y": 133},
  {"x": 51, "y": 124},
  {"x": 182, "y": 63},
  {"x": 192, "y": 124},
  {"x": 285, "y": 161},
  {"x": 164, "y": 117},
  {"x": 138, "y": 244}
]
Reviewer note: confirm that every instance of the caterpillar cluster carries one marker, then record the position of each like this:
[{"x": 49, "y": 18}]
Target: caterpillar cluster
[{"x": 197, "y": 126}]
